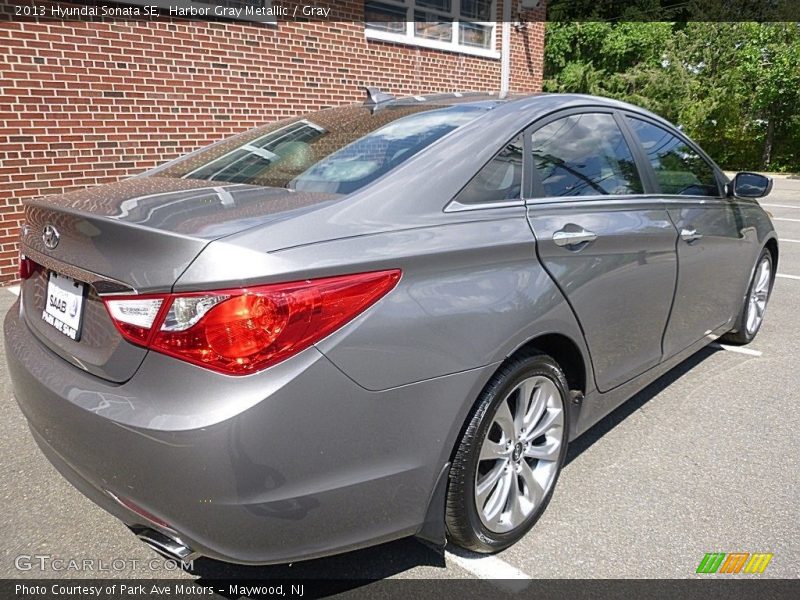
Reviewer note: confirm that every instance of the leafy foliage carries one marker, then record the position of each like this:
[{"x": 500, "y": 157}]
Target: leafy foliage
[{"x": 734, "y": 87}]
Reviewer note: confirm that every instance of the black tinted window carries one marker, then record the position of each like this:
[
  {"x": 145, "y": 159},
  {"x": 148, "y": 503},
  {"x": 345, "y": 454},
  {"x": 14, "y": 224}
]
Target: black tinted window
[
  {"x": 584, "y": 155},
  {"x": 499, "y": 180},
  {"x": 679, "y": 169}
]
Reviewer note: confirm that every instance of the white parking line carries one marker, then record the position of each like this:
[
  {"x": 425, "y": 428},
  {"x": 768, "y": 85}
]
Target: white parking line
[
  {"x": 790, "y": 241},
  {"x": 14, "y": 289},
  {"x": 490, "y": 567},
  {"x": 781, "y": 205},
  {"x": 738, "y": 349},
  {"x": 784, "y": 219},
  {"x": 781, "y": 275}
]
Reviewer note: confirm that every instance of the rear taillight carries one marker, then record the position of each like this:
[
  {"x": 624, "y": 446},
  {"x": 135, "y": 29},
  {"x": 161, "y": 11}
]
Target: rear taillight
[
  {"x": 246, "y": 330},
  {"x": 133, "y": 507},
  {"x": 26, "y": 267}
]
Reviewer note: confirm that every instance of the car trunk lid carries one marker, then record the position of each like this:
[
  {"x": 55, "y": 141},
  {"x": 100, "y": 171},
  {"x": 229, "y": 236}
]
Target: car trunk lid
[{"x": 136, "y": 236}]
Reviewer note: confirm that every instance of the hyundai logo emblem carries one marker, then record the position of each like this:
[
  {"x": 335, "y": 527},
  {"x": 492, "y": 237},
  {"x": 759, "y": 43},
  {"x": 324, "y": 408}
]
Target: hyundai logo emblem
[{"x": 50, "y": 237}]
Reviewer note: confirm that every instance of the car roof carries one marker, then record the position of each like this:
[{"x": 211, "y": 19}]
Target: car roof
[
  {"x": 533, "y": 103},
  {"x": 448, "y": 98}
]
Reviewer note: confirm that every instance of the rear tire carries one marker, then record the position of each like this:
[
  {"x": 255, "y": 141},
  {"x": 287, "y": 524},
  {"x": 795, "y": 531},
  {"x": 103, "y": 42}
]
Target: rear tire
[
  {"x": 751, "y": 316},
  {"x": 508, "y": 460}
]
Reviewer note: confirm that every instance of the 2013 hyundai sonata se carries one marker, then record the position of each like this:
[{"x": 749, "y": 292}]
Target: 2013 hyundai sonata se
[{"x": 375, "y": 321}]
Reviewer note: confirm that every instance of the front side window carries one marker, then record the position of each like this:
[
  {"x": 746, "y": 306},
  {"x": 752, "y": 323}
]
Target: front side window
[
  {"x": 679, "y": 169},
  {"x": 463, "y": 25},
  {"x": 584, "y": 155},
  {"x": 497, "y": 181},
  {"x": 335, "y": 151}
]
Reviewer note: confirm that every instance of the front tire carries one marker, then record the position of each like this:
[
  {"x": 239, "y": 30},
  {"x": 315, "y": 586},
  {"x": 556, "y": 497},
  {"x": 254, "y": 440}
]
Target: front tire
[
  {"x": 508, "y": 460},
  {"x": 751, "y": 316}
]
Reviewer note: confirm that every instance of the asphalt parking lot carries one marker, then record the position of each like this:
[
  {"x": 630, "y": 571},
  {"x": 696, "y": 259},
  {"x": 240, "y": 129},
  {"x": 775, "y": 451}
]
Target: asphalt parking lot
[{"x": 704, "y": 460}]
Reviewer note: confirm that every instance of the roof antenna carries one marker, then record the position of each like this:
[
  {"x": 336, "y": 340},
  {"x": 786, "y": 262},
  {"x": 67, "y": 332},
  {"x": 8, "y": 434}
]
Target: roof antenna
[{"x": 376, "y": 97}]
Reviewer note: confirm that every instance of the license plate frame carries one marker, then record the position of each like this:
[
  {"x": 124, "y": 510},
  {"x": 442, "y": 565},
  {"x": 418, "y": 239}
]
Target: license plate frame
[{"x": 64, "y": 304}]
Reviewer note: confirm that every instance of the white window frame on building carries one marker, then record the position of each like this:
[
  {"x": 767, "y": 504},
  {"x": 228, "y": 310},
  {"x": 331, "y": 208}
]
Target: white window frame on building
[{"x": 424, "y": 17}]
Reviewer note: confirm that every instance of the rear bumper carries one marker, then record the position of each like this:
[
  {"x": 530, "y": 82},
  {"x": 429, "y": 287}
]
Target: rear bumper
[{"x": 292, "y": 463}]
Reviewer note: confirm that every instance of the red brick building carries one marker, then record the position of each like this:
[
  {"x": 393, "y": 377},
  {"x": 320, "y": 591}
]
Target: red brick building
[{"x": 87, "y": 102}]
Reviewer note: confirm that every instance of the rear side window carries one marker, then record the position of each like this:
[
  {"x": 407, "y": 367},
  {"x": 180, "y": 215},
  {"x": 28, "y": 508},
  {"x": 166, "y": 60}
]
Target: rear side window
[
  {"x": 499, "y": 180},
  {"x": 679, "y": 169},
  {"x": 584, "y": 155}
]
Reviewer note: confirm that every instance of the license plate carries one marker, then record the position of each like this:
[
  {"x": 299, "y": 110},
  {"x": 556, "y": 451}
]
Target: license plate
[{"x": 63, "y": 308}]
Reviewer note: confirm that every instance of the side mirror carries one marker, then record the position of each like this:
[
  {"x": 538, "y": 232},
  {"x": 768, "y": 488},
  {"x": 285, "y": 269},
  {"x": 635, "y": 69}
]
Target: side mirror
[{"x": 751, "y": 185}]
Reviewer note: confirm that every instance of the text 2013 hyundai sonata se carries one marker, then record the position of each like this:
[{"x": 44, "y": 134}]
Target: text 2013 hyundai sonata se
[{"x": 375, "y": 321}]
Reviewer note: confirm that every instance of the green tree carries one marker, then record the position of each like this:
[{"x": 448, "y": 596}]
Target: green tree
[
  {"x": 734, "y": 87},
  {"x": 770, "y": 66}
]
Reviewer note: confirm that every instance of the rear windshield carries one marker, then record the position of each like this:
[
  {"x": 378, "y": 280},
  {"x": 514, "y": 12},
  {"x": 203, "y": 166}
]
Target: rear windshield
[{"x": 336, "y": 151}]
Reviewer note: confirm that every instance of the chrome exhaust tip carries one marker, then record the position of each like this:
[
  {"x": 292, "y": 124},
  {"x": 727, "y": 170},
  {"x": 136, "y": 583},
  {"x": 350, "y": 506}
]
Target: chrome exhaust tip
[{"x": 167, "y": 546}]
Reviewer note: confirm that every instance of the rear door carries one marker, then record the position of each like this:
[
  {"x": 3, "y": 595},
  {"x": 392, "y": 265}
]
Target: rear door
[
  {"x": 713, "y": 245},
  {"x": 609, "y": 246}
]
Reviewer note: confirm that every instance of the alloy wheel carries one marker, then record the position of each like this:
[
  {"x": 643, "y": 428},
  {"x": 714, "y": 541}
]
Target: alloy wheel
[
  {"x": 519, "y": 456},
  {"x": 759, "y": 293}
]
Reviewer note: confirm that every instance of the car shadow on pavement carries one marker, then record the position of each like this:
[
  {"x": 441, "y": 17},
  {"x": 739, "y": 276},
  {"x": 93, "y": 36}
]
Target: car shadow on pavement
[
  {"x": 627, "y": 408},
  {"x": 344, "y": 571}
]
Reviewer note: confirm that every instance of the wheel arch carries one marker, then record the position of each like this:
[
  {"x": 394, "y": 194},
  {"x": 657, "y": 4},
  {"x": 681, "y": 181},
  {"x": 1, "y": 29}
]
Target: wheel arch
[
  {"x": 772, "y": 246},
  {"x": 569, "y": 357},
  {"x": 565, "y": 351}
]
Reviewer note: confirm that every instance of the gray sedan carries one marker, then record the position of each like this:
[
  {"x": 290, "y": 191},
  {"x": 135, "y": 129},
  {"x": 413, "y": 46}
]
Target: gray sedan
[{"x": 375, "y": 321}]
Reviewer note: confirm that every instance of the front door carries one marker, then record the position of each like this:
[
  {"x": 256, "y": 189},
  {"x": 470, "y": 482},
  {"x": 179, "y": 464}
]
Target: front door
[{"x": 712, "y": 244}]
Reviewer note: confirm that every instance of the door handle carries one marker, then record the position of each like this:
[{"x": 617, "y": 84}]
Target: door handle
[
  {"x": 563, "y": 237},
  {"x": 690, "y": 235}
]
